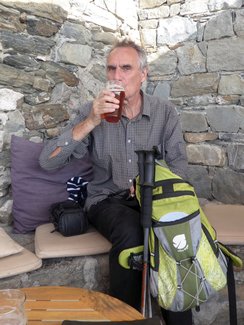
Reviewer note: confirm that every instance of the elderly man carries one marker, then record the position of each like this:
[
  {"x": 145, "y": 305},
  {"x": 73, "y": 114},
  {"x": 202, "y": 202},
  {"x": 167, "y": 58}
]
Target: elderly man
[{"x": 146, "y": 122}]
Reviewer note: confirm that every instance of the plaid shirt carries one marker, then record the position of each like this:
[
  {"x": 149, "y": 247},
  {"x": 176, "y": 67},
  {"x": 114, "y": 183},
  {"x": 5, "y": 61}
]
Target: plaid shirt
[{"x": 112, "y": 146}]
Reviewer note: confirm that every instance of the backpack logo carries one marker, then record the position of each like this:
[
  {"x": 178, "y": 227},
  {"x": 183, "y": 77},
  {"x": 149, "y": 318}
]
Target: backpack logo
[{"x": 180, "y": 243}]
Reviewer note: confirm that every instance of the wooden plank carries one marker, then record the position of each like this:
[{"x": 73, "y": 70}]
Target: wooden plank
[
  {"x": 52, "y": 305},
  {"x": 59, "y": 315},
  {"x": 40, "y": 322}
]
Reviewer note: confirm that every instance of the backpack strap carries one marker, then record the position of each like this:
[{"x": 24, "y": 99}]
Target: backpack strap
[
  {"x": 231, "y": 293},
  {"x": 168, "y": 188},
  {"x": 230, "y": 280}
]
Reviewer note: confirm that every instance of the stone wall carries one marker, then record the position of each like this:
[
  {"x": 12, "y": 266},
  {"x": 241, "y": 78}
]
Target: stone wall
[
  {"x": 196, "y": 53},
  {"x": 52, "y": 60}
]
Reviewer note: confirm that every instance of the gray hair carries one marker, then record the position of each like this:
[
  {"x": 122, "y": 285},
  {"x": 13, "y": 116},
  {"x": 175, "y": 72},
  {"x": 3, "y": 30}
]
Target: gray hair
[{"x": 130, "y": 44}]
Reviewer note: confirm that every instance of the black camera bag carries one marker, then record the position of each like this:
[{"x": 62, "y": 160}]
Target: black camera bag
[{"x": 68, "y": 218}]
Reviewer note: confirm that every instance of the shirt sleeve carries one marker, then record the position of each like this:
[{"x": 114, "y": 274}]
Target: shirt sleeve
[
  {"x": 174, "y": 145},
  {"x": 69, "y": 147}
]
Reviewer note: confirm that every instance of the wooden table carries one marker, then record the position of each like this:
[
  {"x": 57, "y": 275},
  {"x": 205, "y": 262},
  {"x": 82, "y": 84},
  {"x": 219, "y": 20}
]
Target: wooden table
[{"x": 52, "y": 305}]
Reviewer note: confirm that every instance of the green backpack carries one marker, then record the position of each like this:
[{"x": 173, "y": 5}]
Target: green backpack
[{"x": 187, "y": 264}]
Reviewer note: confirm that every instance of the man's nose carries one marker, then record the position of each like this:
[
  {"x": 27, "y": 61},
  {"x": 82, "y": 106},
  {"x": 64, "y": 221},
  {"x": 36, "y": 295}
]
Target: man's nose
[{"x": 117, "y": 74}]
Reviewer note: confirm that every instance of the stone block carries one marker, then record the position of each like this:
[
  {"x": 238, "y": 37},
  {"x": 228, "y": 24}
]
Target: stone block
[
  {"x": 175, "y": 30},
  {"x": 200, "y": 137},
  {"x": 225, "y": 118},
  {"x": 235, "y": 155},
  {"x": 239, "y": 23},
  {"x": 231, "y": 84},
  {"x": 228, "y": 186},
  {"x": 221, "y": 58},
  {"x": 76, "y": 32},
  {"x": 21, "y": 61},
  {"x": 9, "y": 99},
  {"x": 205, "y": 154},
  {"x": 193, "y": 122},
  {"x": 100, "y": 16},
  {"x": 6, "y": 208},
  {"x": 22, "y": 43},
  {"x": 232, "y": 137},
  {"x": 195, "y": 85},
  {"x": 191, "y": 59},
  {"x": 147, "y": 4},
  {"x": 215, "y": 5},
  {"x": 73, "y": 53},
  {"x": 162, "y": 90},
  {"x": 12, "y": 77},
  {"x": 200, "y": 179},
  {"x": 163, "y": 62},
  {"x": 194, "y": 7},
  {"x": 41, "y": 27},
  {"x": 149, "y": 37},
  {"x": 219, "y": 26},
  {"x": 174, "y": 9},
  {"x": 44, "y": 115}
]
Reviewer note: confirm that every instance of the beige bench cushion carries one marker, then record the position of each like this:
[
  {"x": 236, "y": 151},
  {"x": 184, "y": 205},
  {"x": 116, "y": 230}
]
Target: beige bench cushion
[
  {"x": 7, "y": 245},
  {"x": 15, "y": 259},
  {"x": 228, "y": 221},
  {"x": 22, "y": 262},
  {"x": 50, "y": 245}
]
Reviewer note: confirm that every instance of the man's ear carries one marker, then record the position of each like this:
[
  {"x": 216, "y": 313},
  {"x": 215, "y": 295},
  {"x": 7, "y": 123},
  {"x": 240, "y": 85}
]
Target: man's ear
[{"x": 144, "y": 74}]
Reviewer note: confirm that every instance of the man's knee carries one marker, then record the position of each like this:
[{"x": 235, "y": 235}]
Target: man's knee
[{"x": 130, "y": 236}]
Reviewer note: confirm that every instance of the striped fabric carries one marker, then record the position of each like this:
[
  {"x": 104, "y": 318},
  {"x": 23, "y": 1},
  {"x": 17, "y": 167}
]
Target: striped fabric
[{"x": 77, "y": 189}]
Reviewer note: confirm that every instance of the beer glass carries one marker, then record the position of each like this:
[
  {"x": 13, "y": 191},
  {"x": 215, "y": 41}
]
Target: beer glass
[{"x": 117, "y": 87}]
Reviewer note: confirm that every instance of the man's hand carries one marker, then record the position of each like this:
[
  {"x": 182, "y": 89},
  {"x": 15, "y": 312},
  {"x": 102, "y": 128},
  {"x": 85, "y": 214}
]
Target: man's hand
[{"x": 104, "y": 103}]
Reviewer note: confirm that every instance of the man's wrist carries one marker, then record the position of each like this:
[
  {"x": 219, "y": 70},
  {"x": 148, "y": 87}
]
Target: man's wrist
[{"x": 82, "y": 129}]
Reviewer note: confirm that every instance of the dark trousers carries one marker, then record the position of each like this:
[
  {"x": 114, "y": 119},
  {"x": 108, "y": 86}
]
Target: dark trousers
[{"x": 119, "y": 221}]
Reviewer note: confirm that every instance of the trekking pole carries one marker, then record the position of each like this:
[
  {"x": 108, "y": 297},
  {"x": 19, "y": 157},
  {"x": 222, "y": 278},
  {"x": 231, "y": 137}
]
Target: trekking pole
[{"x": 146, "y": 177}]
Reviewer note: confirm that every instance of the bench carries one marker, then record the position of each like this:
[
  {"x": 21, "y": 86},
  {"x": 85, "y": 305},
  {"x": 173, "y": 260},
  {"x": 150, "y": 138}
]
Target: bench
[
  {"x": 51, "y": 259},
  {"x": 228, "y": 220}
]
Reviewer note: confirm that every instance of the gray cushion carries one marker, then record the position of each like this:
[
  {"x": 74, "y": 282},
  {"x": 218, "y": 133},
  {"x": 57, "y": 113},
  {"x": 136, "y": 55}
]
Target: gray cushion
[{"x": 35, "y": 189}]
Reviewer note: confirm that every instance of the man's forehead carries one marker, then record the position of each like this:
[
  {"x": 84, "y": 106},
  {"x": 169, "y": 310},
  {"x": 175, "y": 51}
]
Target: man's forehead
[{"x": 123, "y": 56}]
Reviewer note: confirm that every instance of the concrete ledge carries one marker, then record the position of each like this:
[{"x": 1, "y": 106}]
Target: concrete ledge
[
  {"x": 216, "y": 310},
  {"x": 85, "y": 272},
  {"x": 89, "y": 272}
]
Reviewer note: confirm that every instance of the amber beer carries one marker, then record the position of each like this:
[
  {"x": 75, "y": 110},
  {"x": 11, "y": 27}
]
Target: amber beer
[{"x": 117, "y": 88}]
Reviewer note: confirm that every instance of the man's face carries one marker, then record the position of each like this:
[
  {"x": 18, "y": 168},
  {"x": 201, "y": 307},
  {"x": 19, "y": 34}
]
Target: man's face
[{"x": 123, "y": 64}]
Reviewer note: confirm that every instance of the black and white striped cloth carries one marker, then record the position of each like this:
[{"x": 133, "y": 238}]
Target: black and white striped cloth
[{"x": 77, "y": 189}]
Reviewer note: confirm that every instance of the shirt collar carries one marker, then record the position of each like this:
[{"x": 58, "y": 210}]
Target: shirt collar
[{"x": 146, "y": 107}]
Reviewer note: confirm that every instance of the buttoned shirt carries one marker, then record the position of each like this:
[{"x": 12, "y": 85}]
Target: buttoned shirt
[{"x": 112, "y": 146}]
